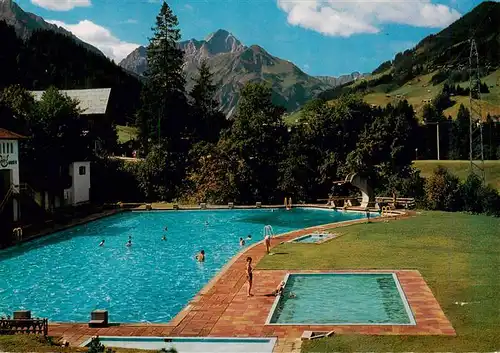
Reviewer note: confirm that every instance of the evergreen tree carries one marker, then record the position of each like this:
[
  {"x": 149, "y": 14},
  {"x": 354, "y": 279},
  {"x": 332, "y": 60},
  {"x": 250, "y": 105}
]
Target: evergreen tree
[
  {"x": 257, "y": 139},
  {"x": 459, "y": 141},
  {"x": 163, "y": 115},
  {"x": 209, "y": 120}
]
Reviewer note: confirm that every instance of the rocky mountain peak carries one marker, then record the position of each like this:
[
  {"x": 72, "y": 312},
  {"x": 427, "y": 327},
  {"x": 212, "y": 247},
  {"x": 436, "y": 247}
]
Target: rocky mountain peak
[{"x": 222, "y": 41}]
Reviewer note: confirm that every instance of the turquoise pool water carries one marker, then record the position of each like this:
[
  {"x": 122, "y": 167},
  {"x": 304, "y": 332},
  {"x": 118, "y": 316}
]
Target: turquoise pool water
[
  {"x": 67, "y": 275},
  {"x": 336, "y": 299},
  {"x": 192, "y": 345},
  {"x": 312, "y": 238}
]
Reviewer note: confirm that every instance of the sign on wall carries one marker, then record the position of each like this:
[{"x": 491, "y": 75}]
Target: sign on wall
[{"x": 4, "y": 161}]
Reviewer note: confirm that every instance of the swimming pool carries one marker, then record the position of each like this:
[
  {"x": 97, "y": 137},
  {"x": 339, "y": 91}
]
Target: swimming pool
[
  {"x": 67, "y": 275},
  {"x": 313, "y": 238},
  {"x": 341, "y": 299},
  {"x": 191, "y": 345}
]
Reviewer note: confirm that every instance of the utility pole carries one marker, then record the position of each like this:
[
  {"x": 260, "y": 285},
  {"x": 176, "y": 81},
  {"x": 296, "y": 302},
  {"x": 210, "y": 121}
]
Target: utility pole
[{"x": 476, "y": 149}]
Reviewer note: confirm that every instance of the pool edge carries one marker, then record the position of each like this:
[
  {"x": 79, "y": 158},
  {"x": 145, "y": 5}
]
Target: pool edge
[{"x": 402, "y": 295}]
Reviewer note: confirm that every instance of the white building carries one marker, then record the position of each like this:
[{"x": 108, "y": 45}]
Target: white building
[
  {"x": 9, "y": 171},
  {"x": 79, "y": 192}
]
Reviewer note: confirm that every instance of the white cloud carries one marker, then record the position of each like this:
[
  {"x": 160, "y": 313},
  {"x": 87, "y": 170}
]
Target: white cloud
[
  {"x": 130, "y": 21},
  {"x": 100, "y": 37},
  {"x": 347, "y": 17},
  {"x": 61, "y": 5},
  {"x": 188, "y": 7}
]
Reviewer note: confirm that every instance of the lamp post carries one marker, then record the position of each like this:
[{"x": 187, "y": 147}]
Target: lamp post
[{"x": 437, "y": 134}]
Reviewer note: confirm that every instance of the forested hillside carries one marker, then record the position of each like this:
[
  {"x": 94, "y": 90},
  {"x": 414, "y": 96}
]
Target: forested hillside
[
  {"x": 48, "y": 58},
  {"x": 421, "y": 73}
]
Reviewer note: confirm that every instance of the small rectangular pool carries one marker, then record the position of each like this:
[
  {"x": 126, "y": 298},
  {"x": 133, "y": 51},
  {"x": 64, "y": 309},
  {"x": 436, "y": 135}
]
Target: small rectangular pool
[
  {"x": 341, "y": 299},
  {"x": 190, "y": 345},
  {"x": 314, "y": 238}
]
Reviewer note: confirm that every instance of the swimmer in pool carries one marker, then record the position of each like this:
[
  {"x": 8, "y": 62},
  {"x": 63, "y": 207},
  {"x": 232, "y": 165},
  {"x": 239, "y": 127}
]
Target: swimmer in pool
[
  {"x": 164, "y": 237},
  {"x": 249, "y": 236},
  {"x": 242, "y": 242},
  {"x": 101, "y": 243},
  {"x": 166, "y": 229},
  {"x": 129, "y": 243},
  {"x": 201, "y": 256}
]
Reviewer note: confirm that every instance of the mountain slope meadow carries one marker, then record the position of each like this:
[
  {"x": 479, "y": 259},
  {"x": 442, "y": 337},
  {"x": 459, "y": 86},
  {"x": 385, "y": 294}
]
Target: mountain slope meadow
[{"x": 420, "y": 74}]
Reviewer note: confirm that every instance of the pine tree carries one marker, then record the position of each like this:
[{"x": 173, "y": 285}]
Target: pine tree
[
  {"x": 207, "y": 116},
  {"x": 459, "y": 140},
  {"x": 162, "y": 118}
]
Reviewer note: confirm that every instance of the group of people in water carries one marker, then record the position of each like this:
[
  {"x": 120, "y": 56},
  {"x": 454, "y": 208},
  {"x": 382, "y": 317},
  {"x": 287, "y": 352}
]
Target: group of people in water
[{"x": 200, "y": 257}]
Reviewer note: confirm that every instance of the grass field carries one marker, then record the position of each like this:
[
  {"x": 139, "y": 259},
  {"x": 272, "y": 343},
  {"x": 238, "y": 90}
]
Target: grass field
[
  {"x": 458, "y": 256},
  {"x": 461, "y": 169},
  {"x": 421, "y": 88},
  {"x": 126, "y": 133}
]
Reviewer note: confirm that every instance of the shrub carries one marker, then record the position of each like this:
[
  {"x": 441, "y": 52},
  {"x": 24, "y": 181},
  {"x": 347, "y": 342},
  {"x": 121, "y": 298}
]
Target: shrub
[
  {"x": 414, "y": 186},
  {"x": 478, "y": 198},
  {"x": 490, "y": 200},
  {"x": 96, "y": 346},
  {"x": 442, "y": 191},
  {"x": 115, "y": 180},
  {"x": 470, "y": 192}
]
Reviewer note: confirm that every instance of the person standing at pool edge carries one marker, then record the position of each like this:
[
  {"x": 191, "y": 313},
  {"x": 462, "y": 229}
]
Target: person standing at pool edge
[
  {"x": 267, "y": 240},
  {"x": 249, "y": 276}
]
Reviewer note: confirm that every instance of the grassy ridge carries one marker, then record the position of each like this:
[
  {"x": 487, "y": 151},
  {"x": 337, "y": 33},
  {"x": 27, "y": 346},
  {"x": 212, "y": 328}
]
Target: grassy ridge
[
  {"x": 461, "y": 169},
  {"x": 126, "y": 133},
  {"x": 458, "y": 256}
]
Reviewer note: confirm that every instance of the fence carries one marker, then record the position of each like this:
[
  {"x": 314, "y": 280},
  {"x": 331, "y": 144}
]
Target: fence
[{"x": 13, "y": 326}]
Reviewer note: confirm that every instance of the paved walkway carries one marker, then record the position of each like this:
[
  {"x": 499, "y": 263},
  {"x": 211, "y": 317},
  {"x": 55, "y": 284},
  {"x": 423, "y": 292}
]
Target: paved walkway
[{"x": 223, "y": 309}]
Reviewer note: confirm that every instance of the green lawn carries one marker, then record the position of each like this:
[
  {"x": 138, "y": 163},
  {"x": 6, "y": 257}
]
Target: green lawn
[
  {"x": 126, "y": 133},
  {"x": 458, "y": 256},
  {"x": 461, "y": 169}
]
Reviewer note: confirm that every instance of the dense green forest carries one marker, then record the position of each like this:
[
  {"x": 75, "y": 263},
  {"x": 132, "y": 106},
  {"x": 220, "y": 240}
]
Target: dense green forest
[
  {"x": 48, "y": 59},
  {"x": 193, "y": 153}
]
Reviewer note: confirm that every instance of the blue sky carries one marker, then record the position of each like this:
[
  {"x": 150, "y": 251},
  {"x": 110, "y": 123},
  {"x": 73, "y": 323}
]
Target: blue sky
[{"x": 322, "y": 37}]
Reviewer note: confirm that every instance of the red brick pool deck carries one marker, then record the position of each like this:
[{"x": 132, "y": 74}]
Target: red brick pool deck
[{"x": 222, "y": 308}]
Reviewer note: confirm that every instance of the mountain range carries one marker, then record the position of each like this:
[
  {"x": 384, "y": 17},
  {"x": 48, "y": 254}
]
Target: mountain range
[
  {"x": 233, "y": 64},
  {"x": 26, "y": 22}
]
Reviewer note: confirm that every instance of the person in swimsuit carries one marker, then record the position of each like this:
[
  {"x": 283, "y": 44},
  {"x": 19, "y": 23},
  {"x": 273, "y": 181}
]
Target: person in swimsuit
[
  {"x": 242, "y": 242},
  {"x": 279, "y": 289},
  {"x": 201, "y": 256},
  {"x": 249, "y": 276},
  {"x": 267, "y": 240},
  {"x": 101, "y": 243}
]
